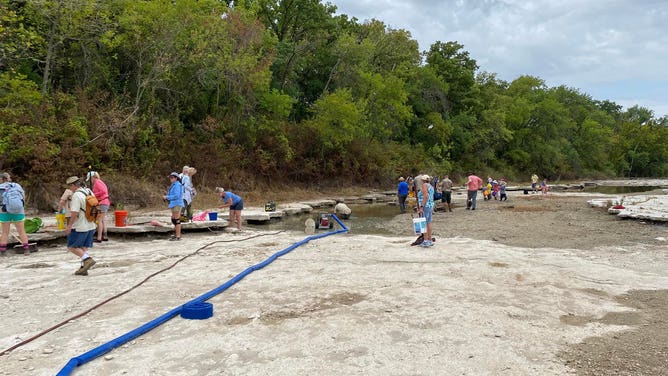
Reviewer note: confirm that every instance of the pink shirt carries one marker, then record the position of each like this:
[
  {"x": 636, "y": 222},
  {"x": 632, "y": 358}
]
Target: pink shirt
[
  {"x": 474, "y": 183},
  {"x": 101, "y": 192}
]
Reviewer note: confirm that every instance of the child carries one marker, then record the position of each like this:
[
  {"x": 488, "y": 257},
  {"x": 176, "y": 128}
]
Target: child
[
  {"x": 543, "y": 186},
  {"x": 495, "y": 189},
  {"x": 487, "y": 191},
  {"x": 502, "y": 190}
]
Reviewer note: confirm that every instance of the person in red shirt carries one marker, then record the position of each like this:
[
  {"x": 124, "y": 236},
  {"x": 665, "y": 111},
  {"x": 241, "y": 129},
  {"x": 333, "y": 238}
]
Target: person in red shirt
[{"x": 472, "y": 185}]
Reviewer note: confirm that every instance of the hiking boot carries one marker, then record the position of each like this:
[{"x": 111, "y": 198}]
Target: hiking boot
[{"x": 85, "y": 265}]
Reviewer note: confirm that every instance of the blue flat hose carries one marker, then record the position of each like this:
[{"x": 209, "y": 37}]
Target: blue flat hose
[{"x": 129, "y": 336}]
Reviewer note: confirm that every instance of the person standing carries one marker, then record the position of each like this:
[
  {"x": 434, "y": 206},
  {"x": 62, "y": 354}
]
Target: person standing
[
  {"x": 417, "y": 186},
  {"x": 426, "y": 208},
  {"x": 402, "y": 194},
  {"x": 80, "y": 230},
  {"x": 534, "y": 183},
  {"x": 472, "y": 185},
  {"x": 446, "y": 189},
  {"x": 543, "y": 186},
  {"x": 12, "y": 211},
  {"x": 175, "y": 199},
  {"x": 101, "y": 192},
  {"x": 64, "y": 204},
  {"x": 502, "y": 190},
  {"x": 186, "y": 210},
  {"x": 234, "y": 202}
]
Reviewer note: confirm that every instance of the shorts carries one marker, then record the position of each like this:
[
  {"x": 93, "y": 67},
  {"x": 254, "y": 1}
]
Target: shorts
[
  {"x": 176, "y": 210},
  {"x": 78, "y": 239},
  {"x": 238, "y": 206},
  {"x": 447, "y": 197},
  {"x": 426, "y": 213},
  {"x": 9, "y": 217},
  {"x": 104, "y": 208}
]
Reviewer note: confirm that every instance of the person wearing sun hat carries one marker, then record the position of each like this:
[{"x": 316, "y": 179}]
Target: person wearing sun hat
[
  {"x": 402, "y": 194},
  {"x": 175, "y": 199},
  {"x": 80, "y": 230},
  {"x": 426, "y": 208}
]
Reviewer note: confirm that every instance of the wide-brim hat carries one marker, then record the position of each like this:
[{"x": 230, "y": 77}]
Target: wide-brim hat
[{"x": 71, "y": 180}]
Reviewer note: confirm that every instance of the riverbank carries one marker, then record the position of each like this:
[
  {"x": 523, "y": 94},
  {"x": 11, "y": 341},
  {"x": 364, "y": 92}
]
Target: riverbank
[{"x": 538, "y": 285}]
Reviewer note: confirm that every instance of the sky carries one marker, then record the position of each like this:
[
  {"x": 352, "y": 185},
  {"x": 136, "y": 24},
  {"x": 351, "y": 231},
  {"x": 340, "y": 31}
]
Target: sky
[{"x": 609, "y": 49}]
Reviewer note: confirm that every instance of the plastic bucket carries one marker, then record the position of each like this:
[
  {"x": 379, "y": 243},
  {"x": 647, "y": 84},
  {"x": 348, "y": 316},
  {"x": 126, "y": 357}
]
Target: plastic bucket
[
  {"x": 121, "y": 218},
  {"x": 213, "y": 216},
  {"x": 420, "y": 225},
  {"x": 60, "y": 221}
]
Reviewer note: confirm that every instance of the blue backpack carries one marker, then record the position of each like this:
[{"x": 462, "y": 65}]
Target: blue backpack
[{"x": 12, "y": 199}]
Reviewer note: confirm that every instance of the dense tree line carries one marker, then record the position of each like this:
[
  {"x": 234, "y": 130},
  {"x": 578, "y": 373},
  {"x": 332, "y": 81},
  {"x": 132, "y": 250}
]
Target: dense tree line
[{"x": 283, "y": 92}]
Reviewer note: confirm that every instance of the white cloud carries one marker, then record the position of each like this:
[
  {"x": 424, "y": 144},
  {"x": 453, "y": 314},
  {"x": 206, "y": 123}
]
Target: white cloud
[{"x": 578, "y": 43}]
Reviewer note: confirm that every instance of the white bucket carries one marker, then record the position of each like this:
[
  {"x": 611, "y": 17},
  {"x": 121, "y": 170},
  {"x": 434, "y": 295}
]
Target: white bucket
[{"x": 420, "y": 225}]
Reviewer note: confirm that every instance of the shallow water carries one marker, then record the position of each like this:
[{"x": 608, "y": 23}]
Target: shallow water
[
  {"x": 365, "y": 219},
  {"x": 611, "y": 190}
]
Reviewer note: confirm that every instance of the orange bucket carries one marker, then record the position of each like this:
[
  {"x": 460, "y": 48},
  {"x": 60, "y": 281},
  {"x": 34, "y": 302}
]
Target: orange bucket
[{"x": 121, "y": 218}]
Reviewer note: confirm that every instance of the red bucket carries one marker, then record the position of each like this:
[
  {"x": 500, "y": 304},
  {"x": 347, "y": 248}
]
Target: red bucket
[{"x": 121, "y": 218}]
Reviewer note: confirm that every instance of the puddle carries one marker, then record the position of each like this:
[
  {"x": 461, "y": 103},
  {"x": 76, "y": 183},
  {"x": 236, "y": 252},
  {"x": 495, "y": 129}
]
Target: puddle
[
  {"x": 611, "y": 190},
  {"x": 365, "y": 219}
]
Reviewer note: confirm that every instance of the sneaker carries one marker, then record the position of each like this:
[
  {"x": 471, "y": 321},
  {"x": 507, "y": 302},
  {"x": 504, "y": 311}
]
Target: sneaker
[
  {"x": 105, "y": 239},
  {"x": 174, "y": 238},
  {"x": 33, "y": 248},
  {"x": 3, "y": 253},
  {"x": 419, "y": 240},
  {"x": 427, "y": 243},
  {"x": 20, "y": 251},
  {"x": 97, "y": 241}
]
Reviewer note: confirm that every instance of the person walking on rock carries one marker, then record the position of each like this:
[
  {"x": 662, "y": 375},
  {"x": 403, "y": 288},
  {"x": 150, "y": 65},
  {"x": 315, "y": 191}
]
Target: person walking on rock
[
  {"x": 175, "y": 199},
  {"x": 472, "y": 186},
  {"x": 12, "y": 211},
  {"x": 80, "y": 230},
  {"x": 402, "y": 194},
  {"x": 446, "y": 190}
]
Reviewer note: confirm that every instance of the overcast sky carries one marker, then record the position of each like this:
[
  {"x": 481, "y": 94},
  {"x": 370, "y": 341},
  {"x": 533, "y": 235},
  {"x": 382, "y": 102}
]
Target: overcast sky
[{"x": 609, "y": 49}]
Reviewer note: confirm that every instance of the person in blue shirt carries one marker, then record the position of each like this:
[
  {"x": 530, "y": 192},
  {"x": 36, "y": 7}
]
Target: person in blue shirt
[
  {"x": 402, "y": 193},
  {"x": 175, "y": 199},
  {"x": 234, "y": 202}
]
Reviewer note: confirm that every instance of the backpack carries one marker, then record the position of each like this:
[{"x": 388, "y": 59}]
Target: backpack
[
  {"x": 12, "y": 199},
  {"x": 92, "y": 210}
]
